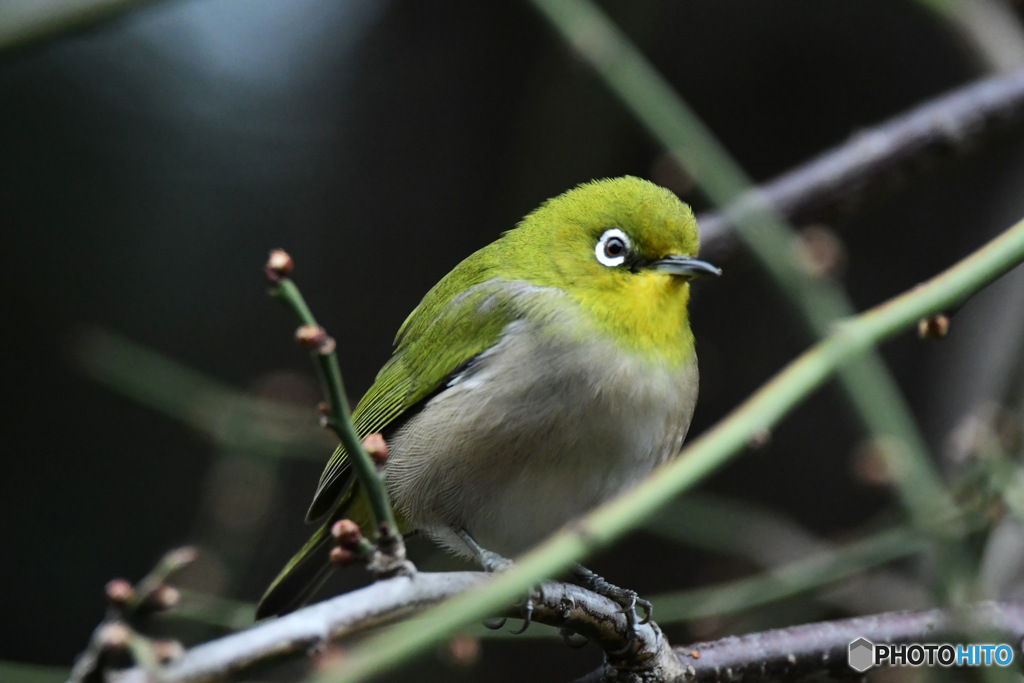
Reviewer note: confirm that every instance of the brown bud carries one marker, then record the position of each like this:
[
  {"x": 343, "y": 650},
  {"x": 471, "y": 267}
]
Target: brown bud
[
  {"x": 342, "y": 557},
  {"x": 323, "y": 410},
  {"x": 180, "y": 557},
  {"x": 279, "y": 265},
  {"x": 167, "y": 651},
  {"x": 163, "y": 597},
  {"x": 462, "y": 650},
  {"x": 347, "y": 533},
  {"x": 310, "y": 337},
  {"x": 116, "y": 635},
  {"x": 119, "y": 592},
  {"x": 935, "y": 327},
  {"x": 376, "y": 447},
  {"x": 695, "y": 654},
  {"x": 820, "y": 251}
]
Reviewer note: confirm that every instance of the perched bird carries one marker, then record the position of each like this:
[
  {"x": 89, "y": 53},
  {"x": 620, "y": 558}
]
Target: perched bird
[{"x": 546, "y": 373}]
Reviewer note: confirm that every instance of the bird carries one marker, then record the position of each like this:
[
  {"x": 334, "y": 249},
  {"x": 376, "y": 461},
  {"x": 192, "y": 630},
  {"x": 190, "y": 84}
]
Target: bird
[{"x": 546, "y": 373}]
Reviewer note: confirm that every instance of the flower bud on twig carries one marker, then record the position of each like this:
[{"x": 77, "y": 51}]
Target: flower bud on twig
[
  {"x": 936, "y": 327},
  {"x": 376, "y": 447},
  {"x": 279, "y": 266}
]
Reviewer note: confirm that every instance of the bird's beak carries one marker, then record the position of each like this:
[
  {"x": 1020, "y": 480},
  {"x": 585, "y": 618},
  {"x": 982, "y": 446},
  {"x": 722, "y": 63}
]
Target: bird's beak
[{"x": 684, "y": 266}]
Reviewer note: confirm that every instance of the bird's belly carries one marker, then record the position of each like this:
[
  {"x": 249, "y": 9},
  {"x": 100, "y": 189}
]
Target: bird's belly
[{"x": 534, "y": 436}]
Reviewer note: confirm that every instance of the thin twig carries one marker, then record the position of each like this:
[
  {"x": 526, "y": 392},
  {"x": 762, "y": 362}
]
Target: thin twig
[
  {"x": 242, "y": 422},
  {"x": 312, "y": 335},
  {"x": 800, "y": 576},
  {"x": 127, "y": 604},
  {"x": 881, "y": 157}
]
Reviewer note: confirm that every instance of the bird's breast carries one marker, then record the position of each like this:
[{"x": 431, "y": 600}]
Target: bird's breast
[{"x": 535, "y": 432}]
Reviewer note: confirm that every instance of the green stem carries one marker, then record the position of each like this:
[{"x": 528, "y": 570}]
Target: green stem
[
  {"x": 791, "y": 579},
  {"x": 341, "y": 418},
  {"x": 180, "y": 392},
  {"x": 869, "y": 386},
  {"x": 714, "y": 448}
]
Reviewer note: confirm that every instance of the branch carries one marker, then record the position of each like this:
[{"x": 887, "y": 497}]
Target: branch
[
  {"x": 784, "y": 654},
  {"x": 240, "y": 422},
  {"x": 312, "y": 336},
  {"x": 849, "y": 339},
  {"x": 881, "y": 157},
  {"x": 127, "y": 606},
  {"x": 820, "y": 650},
  {"x": 557, "y": 604}
]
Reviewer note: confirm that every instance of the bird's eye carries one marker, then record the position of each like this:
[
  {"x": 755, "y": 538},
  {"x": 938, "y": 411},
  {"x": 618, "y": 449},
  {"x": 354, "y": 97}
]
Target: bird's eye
[{"x": 613, "y": 248}]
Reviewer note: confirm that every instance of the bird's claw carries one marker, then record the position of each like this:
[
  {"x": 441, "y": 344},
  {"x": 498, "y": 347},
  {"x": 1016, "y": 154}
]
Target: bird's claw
[
  {"x": 648, "y": 609},
  {"x": 527, "y": 616},
  {"x": 572, "y": 639},
  {"x": 627, "y": 599},
  {"x": 495, "y": 624}
]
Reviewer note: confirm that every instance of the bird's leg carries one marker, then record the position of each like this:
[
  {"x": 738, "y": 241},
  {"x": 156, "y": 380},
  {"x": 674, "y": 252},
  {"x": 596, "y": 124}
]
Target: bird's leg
[
  {"x": 493, "y": 562},
  {"x": 488, "y": 559},
  {"x": 627, "y": 599}
]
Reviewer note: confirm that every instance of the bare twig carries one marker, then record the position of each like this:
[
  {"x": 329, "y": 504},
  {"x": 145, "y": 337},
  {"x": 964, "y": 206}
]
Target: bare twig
[
  {"x": 820, "y": 650},
  {"x": 558, "y": 604},
  {"x": 311, "y": 335},
  {"x": 881, "y": 157},
  {"x": 782, "y": 654},
  {"x": 127, "y": 604}
]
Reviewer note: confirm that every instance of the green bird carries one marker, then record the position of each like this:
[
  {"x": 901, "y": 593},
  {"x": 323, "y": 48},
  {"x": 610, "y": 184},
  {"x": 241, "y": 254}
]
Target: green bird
[{"x": 548, "y": 372}]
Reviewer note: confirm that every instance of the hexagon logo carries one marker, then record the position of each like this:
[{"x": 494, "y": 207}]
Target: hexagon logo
[{"x": 862, "y": 655}]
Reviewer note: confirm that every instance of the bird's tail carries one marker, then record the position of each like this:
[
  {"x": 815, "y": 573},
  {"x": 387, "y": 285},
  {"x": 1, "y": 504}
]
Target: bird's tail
[
  {"x": 310, "y": 567},
  {"x": 300, "y": 578}
]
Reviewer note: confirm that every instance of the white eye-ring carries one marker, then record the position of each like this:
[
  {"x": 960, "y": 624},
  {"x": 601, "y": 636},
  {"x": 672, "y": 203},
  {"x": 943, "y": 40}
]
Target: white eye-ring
[{"x": 613, "y": 248}]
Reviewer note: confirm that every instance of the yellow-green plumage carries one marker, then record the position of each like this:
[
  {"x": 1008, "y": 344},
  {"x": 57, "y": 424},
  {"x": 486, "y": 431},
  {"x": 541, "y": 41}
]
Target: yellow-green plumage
[{"x": 534, "y": 364}]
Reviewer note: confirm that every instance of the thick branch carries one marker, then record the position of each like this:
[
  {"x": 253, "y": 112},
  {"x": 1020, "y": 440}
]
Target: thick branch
[
  {"x": 818, "y": 650},
  {"x": 557, "y": 604}
]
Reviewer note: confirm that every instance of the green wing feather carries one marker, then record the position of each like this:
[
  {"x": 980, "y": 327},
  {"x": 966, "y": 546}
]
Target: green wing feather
[
  {"x": 461, "y": 317},
  {"x": 433, "y": 343}
]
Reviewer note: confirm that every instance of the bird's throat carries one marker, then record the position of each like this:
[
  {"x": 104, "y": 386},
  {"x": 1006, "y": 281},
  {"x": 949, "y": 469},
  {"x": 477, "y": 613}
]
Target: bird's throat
[{"x": 644, "y": 314}]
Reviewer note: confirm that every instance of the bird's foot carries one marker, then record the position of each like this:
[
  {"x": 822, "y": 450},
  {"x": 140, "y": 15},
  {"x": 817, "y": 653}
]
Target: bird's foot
[
  {"x": 626, "y": 598},
  {"x": 493, "y": 562},
  {"x": 526, "y": 612}
]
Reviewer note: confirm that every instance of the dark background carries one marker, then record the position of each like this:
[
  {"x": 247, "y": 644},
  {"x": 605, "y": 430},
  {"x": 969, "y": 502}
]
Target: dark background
[{"x": 148, "y": 163}]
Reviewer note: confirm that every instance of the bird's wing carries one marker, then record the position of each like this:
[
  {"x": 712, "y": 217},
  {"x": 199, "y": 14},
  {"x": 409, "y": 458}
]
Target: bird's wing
[{"x": 436, "y": 342}]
